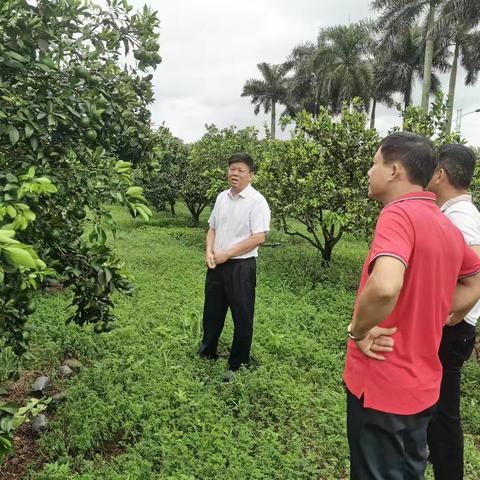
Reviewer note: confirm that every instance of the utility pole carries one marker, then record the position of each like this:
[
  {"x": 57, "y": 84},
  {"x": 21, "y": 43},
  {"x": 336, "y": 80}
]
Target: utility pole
[{"x": 458, "y": 120}]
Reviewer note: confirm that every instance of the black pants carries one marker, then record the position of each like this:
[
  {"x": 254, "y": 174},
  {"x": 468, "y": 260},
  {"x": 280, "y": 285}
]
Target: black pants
[
  {"x": 385, "y": 446},
  {"x": 445, "y": 433},
  {"x": 231, "y": 284}
]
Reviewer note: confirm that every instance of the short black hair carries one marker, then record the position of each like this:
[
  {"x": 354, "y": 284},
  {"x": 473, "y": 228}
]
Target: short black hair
[
  {"x": 417, "y": 154},
  {"x": 458, "y": 161},
  {"x": 244, "y": 158}
]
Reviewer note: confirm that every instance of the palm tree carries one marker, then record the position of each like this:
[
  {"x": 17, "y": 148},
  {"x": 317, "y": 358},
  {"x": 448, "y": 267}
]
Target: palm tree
[
  {"x": 398, "y": 15},
  {"x": 464, "y": 11},
  {"x": 303, "y": 85},
  {"x": 269, "y": 91},
  {"x": 403, "y": 62},
  {"x": 383, "y": 86},
  {"x": 307, "y": 89},
  {"x": 458, "y": 21},
  {"x": 343, "y": 64}
]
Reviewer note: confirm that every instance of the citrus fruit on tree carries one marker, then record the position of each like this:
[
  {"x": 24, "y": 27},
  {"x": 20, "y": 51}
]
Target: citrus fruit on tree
[
  {"x": 98, "y": 328},
  {"x": 102, "y": 101},
  {"x": 91, "y": 134},
  {"x": 84, "y": 121},
  {"x": 81, "y": 72},
  {"x": 54, "y": 234},
  {"x": 94, "y": 80},
  {"x": 30, "y": 306},
  {"x": 79, "y": 212}
]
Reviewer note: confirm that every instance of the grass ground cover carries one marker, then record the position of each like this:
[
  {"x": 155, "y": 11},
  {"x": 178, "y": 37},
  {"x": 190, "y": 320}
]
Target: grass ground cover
[{"x": 145, "y": 407}]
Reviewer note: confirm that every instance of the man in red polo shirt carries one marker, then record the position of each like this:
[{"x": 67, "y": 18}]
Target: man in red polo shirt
[{"x": 418, "y": 270}]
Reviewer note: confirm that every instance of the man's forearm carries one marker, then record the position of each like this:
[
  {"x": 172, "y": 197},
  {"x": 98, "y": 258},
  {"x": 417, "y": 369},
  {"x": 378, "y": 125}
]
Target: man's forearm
[
  {"x": 466, "y": 295},
  {"x": 372, "y": 308},
  {"x": 210, "y": 241},
  {"x": 246, "y": 245}
]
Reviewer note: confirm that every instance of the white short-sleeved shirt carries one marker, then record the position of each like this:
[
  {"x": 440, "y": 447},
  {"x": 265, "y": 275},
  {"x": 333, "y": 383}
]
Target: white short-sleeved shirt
[
  {"x": 237, "y": 217},
  {"x": 465, "y": 216}
]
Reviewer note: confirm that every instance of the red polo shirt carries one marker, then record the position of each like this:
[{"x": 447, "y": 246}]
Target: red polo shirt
[{"x": 414, "y": 230}]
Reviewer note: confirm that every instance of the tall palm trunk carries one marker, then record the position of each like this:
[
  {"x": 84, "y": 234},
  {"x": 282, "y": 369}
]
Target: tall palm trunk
[
  {"x": 451, "y": 87},
  {"x": 407, "y": 95},
  {"x": 273, "y": 120},
  {"x": 427, "y": 66},
  {"x": 372, "y": 115}
]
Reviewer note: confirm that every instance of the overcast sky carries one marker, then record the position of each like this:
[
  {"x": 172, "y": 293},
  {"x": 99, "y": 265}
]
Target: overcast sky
[{"x": 211, "y": 47}]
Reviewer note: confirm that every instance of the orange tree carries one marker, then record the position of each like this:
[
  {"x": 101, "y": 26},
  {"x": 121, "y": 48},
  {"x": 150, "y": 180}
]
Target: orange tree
[
  {"x": 162, "y": 177},
  {"x": 316, "y": 183},
  {"x": 203, "y": 177},
  {"x": 73, "y": 122}
]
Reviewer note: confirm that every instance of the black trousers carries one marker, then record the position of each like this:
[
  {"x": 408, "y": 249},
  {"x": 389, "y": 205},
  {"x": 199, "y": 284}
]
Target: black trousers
[
  {"x": 385, "y": 446},
  {"x": 445, "y": 433},
  {"x": 230, "y": 284}
]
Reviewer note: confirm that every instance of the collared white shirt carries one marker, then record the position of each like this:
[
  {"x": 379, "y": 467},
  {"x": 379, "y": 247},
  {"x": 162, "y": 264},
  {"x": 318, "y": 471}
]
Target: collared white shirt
[
  {"x": 465, "y": 216},
  {"x": 237, "y": 217}
]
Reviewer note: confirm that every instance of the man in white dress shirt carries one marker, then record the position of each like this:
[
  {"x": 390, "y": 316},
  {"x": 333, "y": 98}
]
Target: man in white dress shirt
[
  {"x": 238, "y": 225},
  {"x": 450, "y": 183}
]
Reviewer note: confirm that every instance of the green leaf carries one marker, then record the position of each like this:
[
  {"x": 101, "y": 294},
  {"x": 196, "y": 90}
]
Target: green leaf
[
  {"x": 34, "y": 143},
  {"x": 72, "y": 111},
  {"x": 9, "y": 407},
  {"x": 43, "y": 44},
  {"x": 29, "y": 175},
  {"x": 14, "y": 134},
  {"x": 16, "y": 56},
  {"x": 28, "y": 130},
  {"x": 135, "y": 191},
  {"x": 43, "y": 67},
  {"x": 19, "y": 420},
  {"x": 19, "y": 256},
  {"x": 122, "y": 164},
  {"x": 6, "y": 445},
  {"x": 40, "y": 264},
  {"x": 29, "y": 215},
  {"x": 145, "y": 209},
  {"x": 12, "y": 213},
  {"x": 6, "y": 423},
  {"x": 7, "y": 233}
]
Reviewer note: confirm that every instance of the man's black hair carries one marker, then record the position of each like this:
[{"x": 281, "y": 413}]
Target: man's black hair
[
  {"x": 458, "y": 161},
  {"x": 244, "y": 158},
  {"x": 417, "y": 154}
]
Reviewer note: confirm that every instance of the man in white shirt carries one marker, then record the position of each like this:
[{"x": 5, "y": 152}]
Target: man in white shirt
[
  {"x": 450, "y": 183},
  {"x": 238, "y": 225}
]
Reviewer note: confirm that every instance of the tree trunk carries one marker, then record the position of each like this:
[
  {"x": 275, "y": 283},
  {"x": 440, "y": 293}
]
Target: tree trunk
[
  {"x": 330, "y": 240},
  {"x": 195, "y": 218},
  {"x": 408, "y": 93},
  {"x": 273, "y": 123},
  {"x": 194, "y": 212},
  {"x": 427, "y": 66},
  {"x": 172, "y": 206},
  {"x": 372, "y": 115},
  {"x": 451, "y": 87}
]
